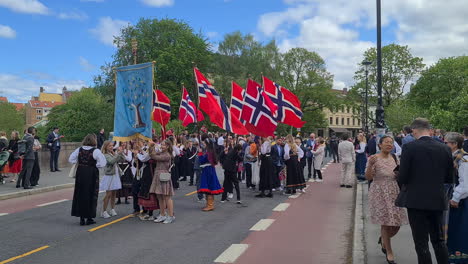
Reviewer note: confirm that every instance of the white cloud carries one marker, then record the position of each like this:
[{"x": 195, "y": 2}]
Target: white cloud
[
  {"x": 25, "y": 6},
  {"x": 431, "y": 28},
  {"x": 76, "y": 15},
  {"x": 158, "y": 3},
  {"x": 7, "y": 32},
  {"x": 20, "y": 89},
  {"x": 107, "y": 29},
  {"x": 212, "y": 34},
  {"x": 85, "y": 65}
]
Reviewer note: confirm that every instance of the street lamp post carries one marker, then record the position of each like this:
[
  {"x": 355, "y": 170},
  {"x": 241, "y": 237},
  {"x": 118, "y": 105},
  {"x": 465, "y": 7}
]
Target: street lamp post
[
  {"x": 366, "y": 125},
  {"x": 380, "y": 123}
]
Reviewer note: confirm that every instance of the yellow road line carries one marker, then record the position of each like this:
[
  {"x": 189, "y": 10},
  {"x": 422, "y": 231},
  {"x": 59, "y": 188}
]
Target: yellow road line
[
  {"x": 24, "y": 255},
  {"x": 108, "y": 224},
  {"x": 188, "y": 194}
]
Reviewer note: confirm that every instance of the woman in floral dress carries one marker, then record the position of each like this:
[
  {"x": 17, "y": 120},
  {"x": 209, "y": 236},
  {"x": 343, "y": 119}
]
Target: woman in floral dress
[{"x": 383, "y": 193}]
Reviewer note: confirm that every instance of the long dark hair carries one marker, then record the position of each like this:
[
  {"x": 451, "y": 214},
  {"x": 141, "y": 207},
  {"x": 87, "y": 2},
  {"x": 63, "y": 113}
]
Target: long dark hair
[{"x": 211, "y": 151}]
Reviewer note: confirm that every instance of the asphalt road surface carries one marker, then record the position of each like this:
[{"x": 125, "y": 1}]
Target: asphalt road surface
[{"x": 42, "y": 225}]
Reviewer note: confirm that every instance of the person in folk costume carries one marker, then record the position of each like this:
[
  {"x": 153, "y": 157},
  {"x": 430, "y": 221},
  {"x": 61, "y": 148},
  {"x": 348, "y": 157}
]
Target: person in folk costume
[
  {"x": 146, "y": 199},
  {"x": 162, "y": 189},
  {"x": 175, "y": 172},
  {"x": 186, "y": 167},
  {"x": 197, "y": 169},
  {"x": 192, "y": 151},
  {"x": 126, "y": 174},
  {"x": 110, "y": 183},
  {"x": 209, "y": 183},
  {"x": 267, "y": 170},
  {"x": 136, "y": 181},
  {"x": 227, "y": 185},
  {"x": 302, "y": 161},
  {"x": 292, "y": 155},
  {"x": 277, "y": 154},
  {"x": 85, "y": 196},
  {"x": 230, "y": 161}
]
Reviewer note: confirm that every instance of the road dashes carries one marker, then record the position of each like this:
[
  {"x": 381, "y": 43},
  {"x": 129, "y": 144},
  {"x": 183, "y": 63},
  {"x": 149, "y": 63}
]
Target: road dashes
[
  {"x": 2, "y": 214},
  {"x": 54, "y": 202},
  {"x": 231, "y": 254},
  {"x": 262, "y": 225},
  {"x": 281, "y": 207}
]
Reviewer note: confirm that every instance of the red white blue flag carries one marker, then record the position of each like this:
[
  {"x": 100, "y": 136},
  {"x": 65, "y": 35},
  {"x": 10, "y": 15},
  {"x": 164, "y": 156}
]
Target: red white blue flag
[
  {"x": 214, "y": 106},
  {"x": 237, "y": 100},
  {"x": 289, "y": 106},
  {"x": 258, "y": 111},
  {"x": 161, "y": 108},
  {"x": 188, "y": 112}
]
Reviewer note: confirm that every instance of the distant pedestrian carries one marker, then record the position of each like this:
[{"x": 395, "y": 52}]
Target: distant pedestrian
[
  {"x": 457, "y": 242},
  {"x": 209, "y": 183},
  {"x": 319, "y": 153},
  {"x": 383, "y": 193},
  {"x": 101, "y": 137},
  {"x": 267, "y": 170},
  {"x": 230, "y": 173},
  {"x": 110, "y": 183},
  {"x": 126, "y": 173},
  {"x": 36, "y": 172},
  {"x": 197, "y": 170},
  {"x": 292, "y": 155},
  {"x": 277, "y": 156},
  {"x": 28, "y": 160},
  {"x": 15, "y": 162},
  {"x": 334, "y": 141},
  {"x": 408, "y": 135},
  {"x": 361, "y": 157},
  {"x": 425, "y": 166},
  {"x": 310, "y": 145},
  {"x": 53, "y": 142},
  {"x": 347, "y": 156},
  {"x": 88, "y": 159}
]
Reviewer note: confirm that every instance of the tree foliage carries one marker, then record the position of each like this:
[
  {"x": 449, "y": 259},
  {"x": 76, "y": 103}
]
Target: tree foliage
[
  {"x": 442, "y": 92},
  {"x": 400, "y": 113},
  {"x": 399, "y": 68},
  {"x": 11, "y": 119},
  {"x": 85, "y": 112}
]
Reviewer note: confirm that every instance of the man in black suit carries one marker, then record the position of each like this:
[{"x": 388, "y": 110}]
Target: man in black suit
[
  {"x": 425, "y": 166},
  {"x": 28, "y": 160},
  {"x": 277, "y": 156},
  {"x": 101, "y": 137},
  {"x": 53, "y": 142}
]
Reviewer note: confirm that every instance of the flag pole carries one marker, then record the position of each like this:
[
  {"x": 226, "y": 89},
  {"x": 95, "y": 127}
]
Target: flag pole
[{"x": 194, "y": 66}]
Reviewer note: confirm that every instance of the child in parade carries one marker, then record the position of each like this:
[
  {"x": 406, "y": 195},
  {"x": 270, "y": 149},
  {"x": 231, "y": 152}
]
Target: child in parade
[
  {"x": 111, "y": 180},
  {"x": 209, "y": 183}
]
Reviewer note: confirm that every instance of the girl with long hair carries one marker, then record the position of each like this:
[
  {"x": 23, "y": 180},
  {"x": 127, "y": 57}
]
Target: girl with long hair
[
  {"x": 111, "y": 180},
  {"x": 292, "y": 155},
  {"x": 209, "y": 183}
]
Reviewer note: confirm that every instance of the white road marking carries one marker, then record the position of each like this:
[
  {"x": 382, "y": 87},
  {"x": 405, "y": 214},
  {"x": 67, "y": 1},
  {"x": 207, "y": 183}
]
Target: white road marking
[
  {"x": 2, "y": 214},
  {"x": 281, "y": 207},
  {"x": 54, "y": 202},
  {"x": 294, "y": 196},
  {"x": 231, "y": 254},
  {"x": 262, "y": 225}
]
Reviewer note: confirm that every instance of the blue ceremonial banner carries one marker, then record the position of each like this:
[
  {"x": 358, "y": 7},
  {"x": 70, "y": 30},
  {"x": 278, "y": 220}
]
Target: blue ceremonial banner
[{"x": 133, "y": 102}]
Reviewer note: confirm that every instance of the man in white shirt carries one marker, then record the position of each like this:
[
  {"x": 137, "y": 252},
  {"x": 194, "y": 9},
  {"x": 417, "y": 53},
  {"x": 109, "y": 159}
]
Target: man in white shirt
[
  {"x": 220, "y": 143},
  {"x": 347, "y": 155}
]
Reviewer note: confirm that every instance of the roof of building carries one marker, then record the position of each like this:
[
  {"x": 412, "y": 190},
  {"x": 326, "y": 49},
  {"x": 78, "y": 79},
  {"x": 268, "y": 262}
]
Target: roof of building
[
  {"x": 42, "y": 104},
  {"x": 344, "y": 91},
  {"x": 3, "y": 99},
  {"x": 19, "y": 106},
  {"x": 50, "y": 97}
]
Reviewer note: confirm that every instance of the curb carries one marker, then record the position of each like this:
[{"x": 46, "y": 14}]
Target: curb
[
  {"x": 359, "y": 247},
  {"x": 35, "y": 191}
]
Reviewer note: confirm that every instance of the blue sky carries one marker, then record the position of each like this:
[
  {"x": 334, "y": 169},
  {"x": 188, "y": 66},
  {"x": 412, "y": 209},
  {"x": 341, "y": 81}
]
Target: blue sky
[{"x": 56, "y": 43}]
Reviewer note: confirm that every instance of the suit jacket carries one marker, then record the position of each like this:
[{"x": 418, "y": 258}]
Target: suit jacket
[
  {"x": 465, "y": 145},
  {"x": 29, "y": 155},
  {"x": 230, "y": 161},
  {"x": 276, "y": 156},
  {"x": 425, "y": 166},
  {"x": 346, "y": 152},
  {"x": 55, "y": 143}
]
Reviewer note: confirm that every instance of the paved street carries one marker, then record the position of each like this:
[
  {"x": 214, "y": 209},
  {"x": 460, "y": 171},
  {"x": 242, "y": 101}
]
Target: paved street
[{"x": 315, "y": 228}]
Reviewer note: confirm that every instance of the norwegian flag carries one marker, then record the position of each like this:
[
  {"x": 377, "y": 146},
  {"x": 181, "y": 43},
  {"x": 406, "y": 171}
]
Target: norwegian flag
[
  {"x": 289, "y": 106},
  {"x": 213, "y": 105},
  {"x": 258, "y": 111},
  {"x": 237, "y": 100},
  {"x": 188, "y": 112},
  {"x": 161, "y": 108}
]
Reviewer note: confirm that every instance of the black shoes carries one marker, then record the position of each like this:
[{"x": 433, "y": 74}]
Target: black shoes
[
  {"x": 27, "y": 188},
  {"x": 349, "y": 186},
  {"x": 260, "y": 195},
  {"x": 90, "y": 221},
  {"x": 82, "y": 222},
  {"x": 58, "y": 170},
  {"x": 269, "y": 195},
  {"x": 342, "y": 185}
]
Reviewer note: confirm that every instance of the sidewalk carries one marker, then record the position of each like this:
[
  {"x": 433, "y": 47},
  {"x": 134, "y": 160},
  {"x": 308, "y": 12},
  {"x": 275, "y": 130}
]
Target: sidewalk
[
  {"x": 48, "y": 181},
  {"x": 316, "y": 227},
  {"x": 402, "y": 243}
]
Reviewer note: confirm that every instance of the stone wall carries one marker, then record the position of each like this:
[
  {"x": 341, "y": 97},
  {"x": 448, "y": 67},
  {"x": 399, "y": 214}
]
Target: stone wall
[{"x": 65, "y": 150}]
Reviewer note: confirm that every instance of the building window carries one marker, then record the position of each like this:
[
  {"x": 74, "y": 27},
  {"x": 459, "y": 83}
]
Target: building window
[
  {"x": 38, "y": 117},
  {"x": 337, "y": 121},
  {"x": 38, "y": 111},
  {"x": 331, "y": 120},
  {"x": 354, "y": 121},
  {"x": 359, "y": 122},
  {"x": 347, "y": 120},
  {"x": 342, "y": 121}
]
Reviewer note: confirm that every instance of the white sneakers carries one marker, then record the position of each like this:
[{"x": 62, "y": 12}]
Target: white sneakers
[
  {"x": 312, "y": 180},
  {"x": 105, "y": 214},
  {"x": 160, "y": 219},
  {"x": 165, "y": 219},
  {"x": 113, "y": 212},
  {"x": 319, "y": 180},
  {"x": 230, "y": 195}
]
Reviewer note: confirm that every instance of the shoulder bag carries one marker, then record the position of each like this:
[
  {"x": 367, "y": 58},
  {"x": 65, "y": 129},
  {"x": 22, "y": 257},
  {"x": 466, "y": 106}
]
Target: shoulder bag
[{"x": 166, "y": 176}]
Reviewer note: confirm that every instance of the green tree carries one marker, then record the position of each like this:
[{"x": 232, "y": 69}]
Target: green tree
[
  {"x": 85, "y": 112},
  {"x": 399, "y": 68},
  {"x": 171, "y": 43},
  {"x": 11, "y": 119},
  {"x": 400, "y": 113},
  {"x": 442, "y": 91}
]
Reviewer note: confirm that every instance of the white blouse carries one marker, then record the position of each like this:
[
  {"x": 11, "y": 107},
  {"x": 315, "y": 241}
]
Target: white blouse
[
  {"x": 97, "y": 155},
  {"x": 266, "y": 147},
  {"x": 461, "y": 190},
  {"x": 287, "y": 149}
]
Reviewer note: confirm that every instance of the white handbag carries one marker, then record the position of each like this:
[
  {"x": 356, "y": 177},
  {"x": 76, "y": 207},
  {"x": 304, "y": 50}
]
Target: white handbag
[{"x": 72, "y": 173}]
